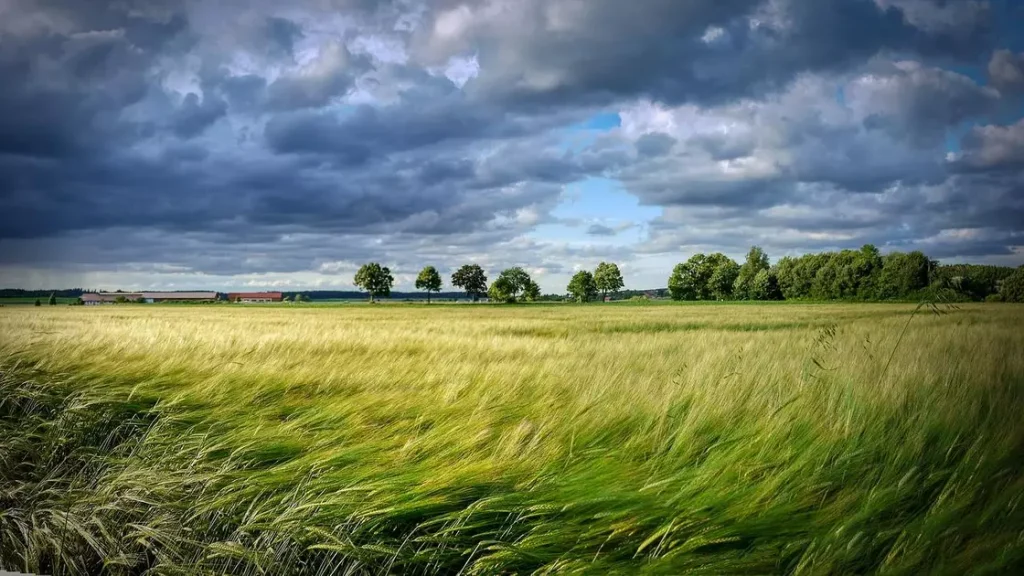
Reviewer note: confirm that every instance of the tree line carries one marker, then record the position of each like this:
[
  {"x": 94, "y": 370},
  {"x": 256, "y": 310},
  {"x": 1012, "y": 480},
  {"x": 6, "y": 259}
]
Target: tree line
[
  {"x": 865, "y": 274},
  {"x": 512, "y": 284}
]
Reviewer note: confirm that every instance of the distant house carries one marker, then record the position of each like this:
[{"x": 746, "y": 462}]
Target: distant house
[
  {"x": 179, "y": 296},
  {"x": 247, "y": 297}
]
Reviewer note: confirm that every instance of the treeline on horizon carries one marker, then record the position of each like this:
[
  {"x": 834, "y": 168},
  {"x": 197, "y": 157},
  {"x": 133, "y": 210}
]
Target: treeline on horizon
[
  {"x": 864, "y": 274},
  {"x": 853, "y": 275}
]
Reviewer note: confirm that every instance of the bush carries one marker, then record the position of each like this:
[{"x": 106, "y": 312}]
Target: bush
[
  {"x": 1012, "y": 288},
  {"x": 993, "y": 298}
]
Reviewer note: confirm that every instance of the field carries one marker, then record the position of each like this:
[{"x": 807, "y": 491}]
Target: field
[{"x": 669, "y": 439}]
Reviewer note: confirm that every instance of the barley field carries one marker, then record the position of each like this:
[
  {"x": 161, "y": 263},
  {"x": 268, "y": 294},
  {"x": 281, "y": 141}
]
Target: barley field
[{"x": 532, "y": 439}]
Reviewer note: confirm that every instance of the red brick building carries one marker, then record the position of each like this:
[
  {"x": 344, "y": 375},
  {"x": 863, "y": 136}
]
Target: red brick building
[{"x": 246, "y": 297}]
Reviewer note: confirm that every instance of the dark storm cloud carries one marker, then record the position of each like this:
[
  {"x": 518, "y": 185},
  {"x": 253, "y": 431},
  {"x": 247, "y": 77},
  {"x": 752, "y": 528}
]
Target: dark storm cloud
[
  {"x": 995, "y": 147},
  {"x": 243, "y": 137},
  {"x": 548, "y": 52},
  {"x": 418, "y": 121},
  {"x": 656, "y": 144},
  {"x": 331, "y": 74},
  {"x": 921, "y": 102},
  {"x": 62, "y": 92},
  {"x": 283, "y": 33},
  {"x": 1006, "y": 70},
  {"x": 194, "y": 116}
]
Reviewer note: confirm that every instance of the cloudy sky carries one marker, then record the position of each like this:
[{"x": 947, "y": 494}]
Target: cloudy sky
[{"x": 223, "y": 145}]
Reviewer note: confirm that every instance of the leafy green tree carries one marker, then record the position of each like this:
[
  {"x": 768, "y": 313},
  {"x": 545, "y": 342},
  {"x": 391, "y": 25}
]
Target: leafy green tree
[
  {"x": 429, "y": 280},
  {"x": 375, "y": 279},
  {"x": 785, "y": 274},
  {"x": 756, "y": 261},
  {"x": 1011, "y": 289},
  {"x": 902, "y": 275},
  {"x": 865, "y": 270},
  {"x": 686, "y": 281},
  {"x": 848, "y": 274},
  {"x": 53, "y": 300},
  {"x": 510, "y": 284},
  {"x": 532, "y": 292},
  {"x": 796, "y": 276},
  {"x": 472, "y": 279},
  {"x": 721, "y": 272},
  {"x": 38, "y": 303},
  {"x": 607, "y": 278},
  {"x": 518, "y": 279},
  {"x": 501, "y": 290},
  {"x": 765, "y": 287},
  {"x": 583, "y": 287},
  {"x": 974, "y": 281}
]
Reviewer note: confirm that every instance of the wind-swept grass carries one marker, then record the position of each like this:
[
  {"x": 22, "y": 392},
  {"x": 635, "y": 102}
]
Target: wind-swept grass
[{"x": 480, "y": 440}]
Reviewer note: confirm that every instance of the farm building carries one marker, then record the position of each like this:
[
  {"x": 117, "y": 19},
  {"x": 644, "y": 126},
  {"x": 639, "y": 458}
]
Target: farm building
[
  {"x": 97, "y": 298},
  {"x": 94, "y": 298},
  {"x": 179, "y": 296},
  {"x": 246, "y": 297}
]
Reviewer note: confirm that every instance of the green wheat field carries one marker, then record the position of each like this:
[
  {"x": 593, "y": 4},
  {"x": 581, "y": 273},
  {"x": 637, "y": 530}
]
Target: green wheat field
[{"x": 530, "y": 439}]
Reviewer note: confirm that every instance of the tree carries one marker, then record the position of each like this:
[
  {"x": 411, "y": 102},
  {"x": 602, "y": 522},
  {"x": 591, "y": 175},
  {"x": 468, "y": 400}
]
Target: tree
[
  {"x": 902, "y": 274},
  {"x": 375, "y": 279},
  {"x": 472, "y": 279},
  {"x": 686, "y": 283},
  {"x": 532, "y": 292},
  {"x": 38, "y": 303},
  {"x": 286, "y": 299},
  {"x": 518, "y": 277},
  {"x": 518, "y": 280},
  {"x": 510, "y": 283},
  {"x": 583, "y": 287},
  {"x": 756, "y": 261},
  {"x": 973, "y": 281},
  {"x": 429, "y": 280},
  {"x": 501, "y": 290},
  {"x": 704, "y": 277},
  {"x": 797, "y": 276},
  {"x": 865, "y": 269},
  {"x": 765, "y": 286},
  {"x": 607, "y": 278},
  {"x": 1011, "y": 289},
  {"x": 721, "y": 272},
  {"x": 53, "y": 300}
]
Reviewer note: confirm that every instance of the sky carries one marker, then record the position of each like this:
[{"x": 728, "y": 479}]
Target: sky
[{"x": 179, "y": 144}]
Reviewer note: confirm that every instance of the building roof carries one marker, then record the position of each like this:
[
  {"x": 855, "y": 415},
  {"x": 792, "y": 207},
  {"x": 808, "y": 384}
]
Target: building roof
[
  {"x": 267, "y": 295},
  {"x": 180, "y": 295},
  {"x": 109, "y": 296}
]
